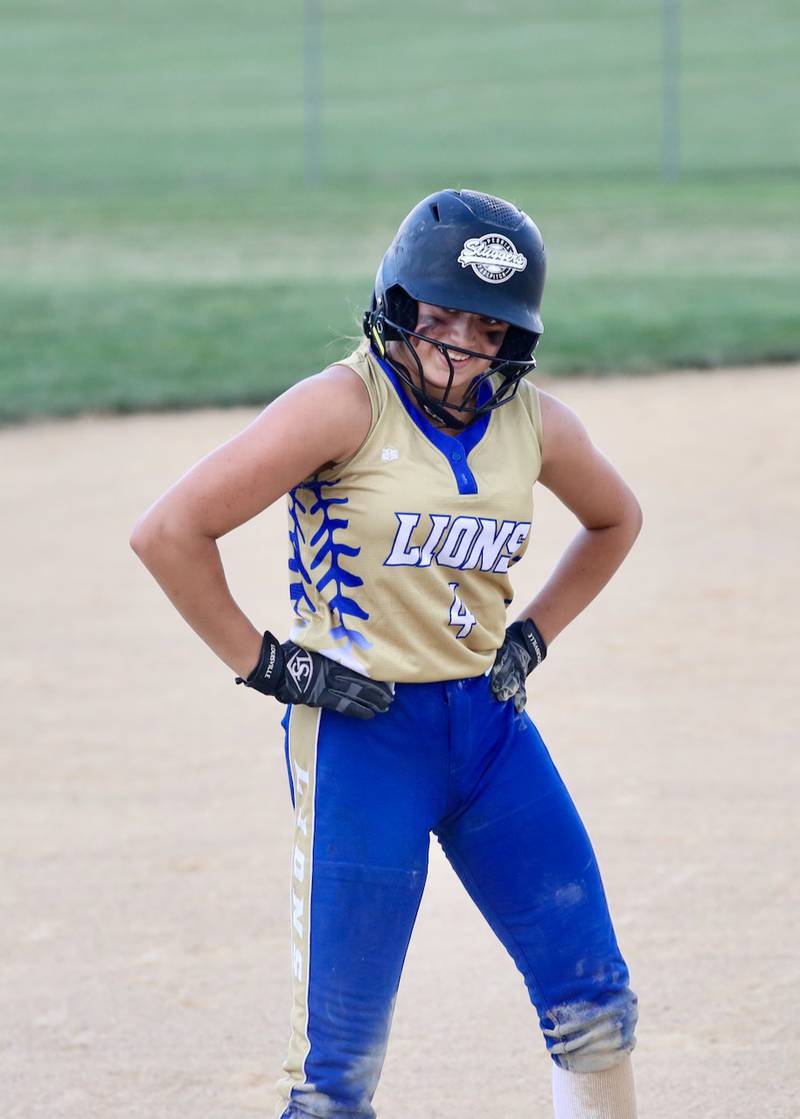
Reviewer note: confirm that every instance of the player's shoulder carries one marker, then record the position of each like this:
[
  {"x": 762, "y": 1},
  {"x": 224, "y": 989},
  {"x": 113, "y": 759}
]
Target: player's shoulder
[
  {"x": 562, "y": 428},
  {"x": 341, "y": 380},
  {"x": 353, "y": 377},
  {"x": 554, "y": 411},
  {"x": 527, "y": 404},
  {"x": 337, "y": 398}
]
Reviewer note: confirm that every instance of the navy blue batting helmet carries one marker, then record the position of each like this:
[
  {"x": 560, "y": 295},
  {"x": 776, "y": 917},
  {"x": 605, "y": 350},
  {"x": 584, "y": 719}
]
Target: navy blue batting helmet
[{"x": 468, "y": 252}]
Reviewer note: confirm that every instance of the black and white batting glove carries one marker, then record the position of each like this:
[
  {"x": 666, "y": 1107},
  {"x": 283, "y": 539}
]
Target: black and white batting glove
[
  {"x": 293, "y": 675},
  {"x": 523, "y": 650}
]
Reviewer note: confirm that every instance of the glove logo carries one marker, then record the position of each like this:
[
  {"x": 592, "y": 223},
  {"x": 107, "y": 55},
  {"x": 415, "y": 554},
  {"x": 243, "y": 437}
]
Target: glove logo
[
  {"x": 492, "y": 258},
  {"x": 301, "y": 669}
]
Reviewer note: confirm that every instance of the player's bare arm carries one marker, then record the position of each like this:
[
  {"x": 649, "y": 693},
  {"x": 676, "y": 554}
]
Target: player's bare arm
[
  {"x": 320, "y": 420},
  {"x": 586, "y": 482}
]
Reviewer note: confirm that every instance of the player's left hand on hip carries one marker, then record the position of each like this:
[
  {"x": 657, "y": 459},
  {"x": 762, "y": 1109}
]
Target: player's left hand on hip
[
  {"x": 523, "y": 649},
  {"x": 295, "y": 675}
]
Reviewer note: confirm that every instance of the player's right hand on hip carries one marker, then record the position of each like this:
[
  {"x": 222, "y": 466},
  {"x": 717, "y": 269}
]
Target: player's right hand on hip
[
  {"x": 523, "y": 649},
  {"x": 294, "y": 675}
]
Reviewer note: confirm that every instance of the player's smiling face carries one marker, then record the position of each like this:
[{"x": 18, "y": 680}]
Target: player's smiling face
[{"x": 462, "y": 329}]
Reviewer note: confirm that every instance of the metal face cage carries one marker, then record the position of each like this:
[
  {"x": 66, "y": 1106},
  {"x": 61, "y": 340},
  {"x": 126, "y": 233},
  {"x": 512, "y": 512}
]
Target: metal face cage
[{"x": 441, "y": 409}]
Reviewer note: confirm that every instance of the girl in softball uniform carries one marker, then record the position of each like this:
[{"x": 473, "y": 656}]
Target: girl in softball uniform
[{"x": 409, "y": 469}]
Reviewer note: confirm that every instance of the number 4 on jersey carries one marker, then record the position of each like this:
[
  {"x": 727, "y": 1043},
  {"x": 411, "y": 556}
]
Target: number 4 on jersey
[{"x": 459, "y": 615}]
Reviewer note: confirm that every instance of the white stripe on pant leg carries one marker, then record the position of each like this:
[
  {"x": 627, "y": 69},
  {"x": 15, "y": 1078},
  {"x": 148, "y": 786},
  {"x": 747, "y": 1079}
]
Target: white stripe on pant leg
[
  {"x": 304, "y": 725},
  {"x": 607, "y": 1094}
]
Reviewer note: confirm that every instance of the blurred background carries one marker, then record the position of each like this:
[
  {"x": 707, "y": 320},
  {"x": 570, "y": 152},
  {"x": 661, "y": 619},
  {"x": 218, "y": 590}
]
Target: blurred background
[
  {"x": 195, "y": 195},
  {"x": 194, "y": 198}
]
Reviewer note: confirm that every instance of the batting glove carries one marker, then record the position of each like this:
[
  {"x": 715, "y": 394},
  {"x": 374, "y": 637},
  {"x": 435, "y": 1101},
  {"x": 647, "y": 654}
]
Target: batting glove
[
  {"x": 293, "y": 675},
  {"x": 523, "y": 650}
]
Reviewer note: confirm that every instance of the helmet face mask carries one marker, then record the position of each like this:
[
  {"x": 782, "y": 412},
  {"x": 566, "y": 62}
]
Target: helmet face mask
[
  {"x": 466, "y": 252},
  {"x": 437, "y": 404}
]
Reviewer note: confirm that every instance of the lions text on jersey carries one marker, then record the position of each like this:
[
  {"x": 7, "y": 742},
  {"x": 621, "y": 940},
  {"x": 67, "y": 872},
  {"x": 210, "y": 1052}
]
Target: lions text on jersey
[{"x": 399, "y": 557}]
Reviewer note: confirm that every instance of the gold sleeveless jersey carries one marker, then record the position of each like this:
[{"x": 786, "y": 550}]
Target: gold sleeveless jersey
[{"x": 399, "y": 557}]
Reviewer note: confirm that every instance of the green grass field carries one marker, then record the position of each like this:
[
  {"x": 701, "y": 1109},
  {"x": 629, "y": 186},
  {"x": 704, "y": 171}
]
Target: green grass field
[{"x": 158, "y": 246}]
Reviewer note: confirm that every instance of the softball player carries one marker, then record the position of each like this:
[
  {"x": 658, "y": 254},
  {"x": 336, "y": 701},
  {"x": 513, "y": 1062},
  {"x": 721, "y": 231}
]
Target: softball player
[{"x": 409, "y": 469}]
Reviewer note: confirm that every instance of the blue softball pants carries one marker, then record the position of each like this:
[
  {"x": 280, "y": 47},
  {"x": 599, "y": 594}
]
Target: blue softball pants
[{"x": 446, "y": 758}]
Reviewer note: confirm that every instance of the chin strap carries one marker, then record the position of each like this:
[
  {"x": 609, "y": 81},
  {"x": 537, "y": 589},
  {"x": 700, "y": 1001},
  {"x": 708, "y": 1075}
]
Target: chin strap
[{"x": 437, "y": 413}]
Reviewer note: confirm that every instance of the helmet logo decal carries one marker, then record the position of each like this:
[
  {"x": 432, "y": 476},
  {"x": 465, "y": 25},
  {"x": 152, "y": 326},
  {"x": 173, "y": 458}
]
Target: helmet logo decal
[{"x": 493, "y": 258}]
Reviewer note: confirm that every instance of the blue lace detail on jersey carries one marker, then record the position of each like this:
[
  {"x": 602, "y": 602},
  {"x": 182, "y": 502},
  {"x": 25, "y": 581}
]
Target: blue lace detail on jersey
[
  {"x": 455, "y": 448},
  {"x": 297, "y": 587},
  {"x": 325, "y": 546}
]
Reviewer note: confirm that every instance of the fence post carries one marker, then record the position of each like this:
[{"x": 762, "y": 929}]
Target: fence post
[
  {"x": 312, "y": 90},
  {"x": 670, "y": 89}
]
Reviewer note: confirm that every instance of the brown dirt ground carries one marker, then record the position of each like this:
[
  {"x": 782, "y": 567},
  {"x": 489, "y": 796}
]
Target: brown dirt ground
[{"x": 145, "y": 823}]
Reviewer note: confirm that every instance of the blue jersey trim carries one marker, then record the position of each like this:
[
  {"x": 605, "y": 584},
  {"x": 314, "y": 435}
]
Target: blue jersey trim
[{"x": 455, "y": 448}]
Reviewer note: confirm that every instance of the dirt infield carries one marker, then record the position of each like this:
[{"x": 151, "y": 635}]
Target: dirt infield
[{"x": 145, "y": 822}]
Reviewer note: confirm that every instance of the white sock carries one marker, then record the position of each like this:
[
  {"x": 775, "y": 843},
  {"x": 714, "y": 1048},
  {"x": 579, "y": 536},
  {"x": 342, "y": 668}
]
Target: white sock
[{"x": 608, "y": 1094}]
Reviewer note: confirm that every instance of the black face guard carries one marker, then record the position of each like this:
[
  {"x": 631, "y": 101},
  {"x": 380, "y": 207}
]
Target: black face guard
[{"x": 437, "y": 408}]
